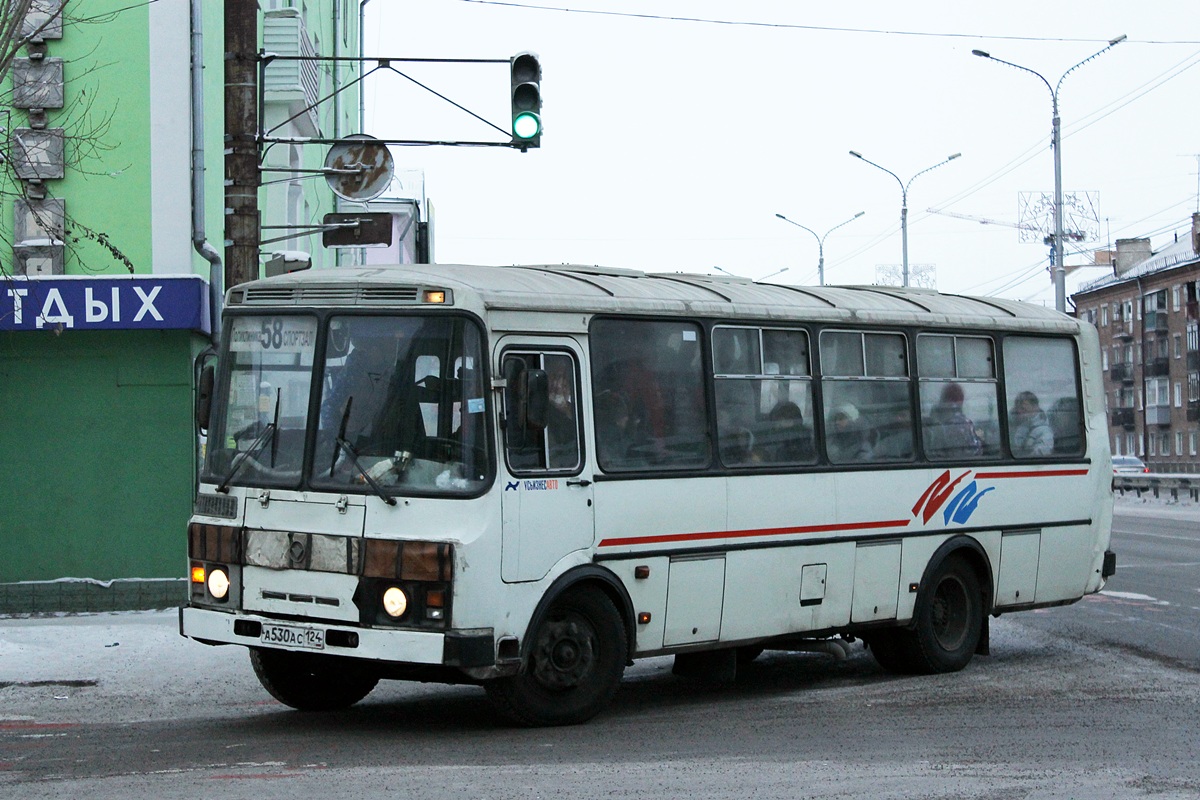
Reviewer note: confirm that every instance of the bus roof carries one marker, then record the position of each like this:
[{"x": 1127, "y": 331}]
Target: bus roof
[{"x": 588, "y": 289}]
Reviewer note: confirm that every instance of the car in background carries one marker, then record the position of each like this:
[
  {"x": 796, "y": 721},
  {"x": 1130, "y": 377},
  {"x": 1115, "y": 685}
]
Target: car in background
[{"x": 1128, "y": 465}]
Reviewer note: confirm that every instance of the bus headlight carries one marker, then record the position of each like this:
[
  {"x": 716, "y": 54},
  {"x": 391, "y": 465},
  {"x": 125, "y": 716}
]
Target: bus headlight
[
  {"x": 395, "y": 602},
  {"x": 218, "y": 583}
]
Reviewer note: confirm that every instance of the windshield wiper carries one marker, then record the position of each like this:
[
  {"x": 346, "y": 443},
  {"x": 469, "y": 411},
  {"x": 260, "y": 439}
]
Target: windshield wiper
[
  {"x": 268, "y": 431},
  {"x": 349, "y": 450}
]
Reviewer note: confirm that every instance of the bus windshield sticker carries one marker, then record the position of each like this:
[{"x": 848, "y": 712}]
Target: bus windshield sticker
[{"x": 274, "y": 334}]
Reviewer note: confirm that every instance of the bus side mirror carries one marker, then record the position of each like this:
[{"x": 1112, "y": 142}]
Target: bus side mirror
[
  {"x": 204, "y": 390},
  {"x": 534, "y": 394}
]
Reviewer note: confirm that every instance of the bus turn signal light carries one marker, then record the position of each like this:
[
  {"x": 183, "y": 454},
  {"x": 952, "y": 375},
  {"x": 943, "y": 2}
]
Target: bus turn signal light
[{"x": 197, "y": 574}]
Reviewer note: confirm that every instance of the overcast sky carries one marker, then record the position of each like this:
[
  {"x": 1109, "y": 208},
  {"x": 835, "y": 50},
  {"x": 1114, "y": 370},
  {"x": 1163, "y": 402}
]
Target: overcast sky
[{"x": 670, "y": 145}]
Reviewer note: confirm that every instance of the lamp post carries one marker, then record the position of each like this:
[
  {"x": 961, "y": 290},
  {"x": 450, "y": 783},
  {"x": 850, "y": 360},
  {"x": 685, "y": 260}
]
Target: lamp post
[
  {"x": 1060, "y": 270},
  {"x": 755, "y": 280},
  {"x": 821, "y": 242},
  {"x": 904, "y": 199}
]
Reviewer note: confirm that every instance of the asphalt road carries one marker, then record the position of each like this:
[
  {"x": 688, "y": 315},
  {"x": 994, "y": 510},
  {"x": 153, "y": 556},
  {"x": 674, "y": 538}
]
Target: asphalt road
[
  {"x": 1096, "y": 700},
  {"x": 1151, "y": 607}
]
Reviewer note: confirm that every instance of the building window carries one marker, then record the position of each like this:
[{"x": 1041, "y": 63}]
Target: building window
[
  {"x": 1178, "y": 346},
  {"x": 1158, "y": 392},
  {"x": 1178, "y": 394},
  {"x": 1104, "y": 314},
  {"x": 1104, "y": 358},
  {"x": 1129, "y": 443},
  {"x": 1175, "y": 298},
  {"x": 1165, "y": 441},
  {"x": 1179, "y": 443},
  {"x": 1192, "y": 443},
  {"x": 1153, "y": 445}
]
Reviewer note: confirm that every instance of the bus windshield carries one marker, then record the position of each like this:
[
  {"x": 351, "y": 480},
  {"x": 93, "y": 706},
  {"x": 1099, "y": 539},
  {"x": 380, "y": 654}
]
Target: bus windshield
[{"x": 400, "y": 405}]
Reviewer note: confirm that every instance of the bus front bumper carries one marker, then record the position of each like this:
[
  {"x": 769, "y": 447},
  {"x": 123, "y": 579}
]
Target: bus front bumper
[{"x": 464, "y": 648}]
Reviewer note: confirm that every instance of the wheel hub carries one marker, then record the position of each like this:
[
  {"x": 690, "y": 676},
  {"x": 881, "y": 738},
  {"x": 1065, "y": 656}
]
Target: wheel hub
[
  {"x": 564, "y": 655},
  {"x": 950, "y": 612}
]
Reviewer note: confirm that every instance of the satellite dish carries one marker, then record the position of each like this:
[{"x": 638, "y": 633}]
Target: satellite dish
[{"x": 359, "y": 168}]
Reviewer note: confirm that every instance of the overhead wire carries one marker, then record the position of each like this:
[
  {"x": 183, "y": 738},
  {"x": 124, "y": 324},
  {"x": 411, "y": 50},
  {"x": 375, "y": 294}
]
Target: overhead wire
[{"x": 796, "y": 26}]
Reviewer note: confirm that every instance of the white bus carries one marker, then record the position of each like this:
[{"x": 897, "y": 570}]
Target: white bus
[{"x": 527, "y": 477}]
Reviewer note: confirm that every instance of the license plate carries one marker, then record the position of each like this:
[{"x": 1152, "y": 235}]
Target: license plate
[{"x": 310, "y": 638}]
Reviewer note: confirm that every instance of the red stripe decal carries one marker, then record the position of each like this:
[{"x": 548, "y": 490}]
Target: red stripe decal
[
  {"x": 1050, "y": 473},
  {"x": 696, "y": 537}
]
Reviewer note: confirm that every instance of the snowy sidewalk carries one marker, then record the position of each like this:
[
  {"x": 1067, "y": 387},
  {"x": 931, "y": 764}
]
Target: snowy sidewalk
[{"x": 70, "y": 668}]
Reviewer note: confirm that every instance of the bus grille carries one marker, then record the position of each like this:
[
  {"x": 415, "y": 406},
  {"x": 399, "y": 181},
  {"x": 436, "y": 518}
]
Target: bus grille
[{"x": 320, "y": 295}]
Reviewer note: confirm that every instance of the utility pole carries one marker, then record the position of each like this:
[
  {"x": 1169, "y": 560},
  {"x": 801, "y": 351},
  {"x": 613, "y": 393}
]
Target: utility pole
[{"x": 241, "y": 142}]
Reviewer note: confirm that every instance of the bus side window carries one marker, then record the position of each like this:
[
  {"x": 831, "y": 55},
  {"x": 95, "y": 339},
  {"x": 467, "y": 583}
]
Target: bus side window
[
  {"x": 648, "y": 380},
  {"x": 1042, "y": 385},
  {"x": 547, "y": 440},
  {"x": 959, "y": 397},
  {"x": 868, "y": 415}
]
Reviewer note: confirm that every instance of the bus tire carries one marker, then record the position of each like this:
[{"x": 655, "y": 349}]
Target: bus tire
[
  {"x": 574, "y": 666},
  {"x": 948, "y": 621},
  {"x": 890, "y": 648},
  {"x": 308, "y": 682}
]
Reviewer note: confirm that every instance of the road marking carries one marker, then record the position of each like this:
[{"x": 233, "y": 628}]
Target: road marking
[
  {"x": 1156, "y": 535},
  {"x": 1134, "y": 596}
]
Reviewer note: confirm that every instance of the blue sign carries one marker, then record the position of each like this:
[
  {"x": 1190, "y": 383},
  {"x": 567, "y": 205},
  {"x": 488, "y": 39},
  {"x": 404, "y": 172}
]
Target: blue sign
[{"x": 134, "y": 302}]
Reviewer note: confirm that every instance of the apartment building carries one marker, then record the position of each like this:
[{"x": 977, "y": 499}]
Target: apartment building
[{"x": 1148, "y": 317}]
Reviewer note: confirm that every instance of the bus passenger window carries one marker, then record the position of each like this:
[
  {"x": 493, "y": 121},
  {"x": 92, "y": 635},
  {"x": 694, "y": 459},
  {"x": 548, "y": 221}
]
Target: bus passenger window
[
  {"x": 959, "y": 397},
  {"x": 763, "y": 396},
  {"x": 868, "y": 414},
  {"x": 648, "y": 380},
  {"x": 1042, "y": 384}
]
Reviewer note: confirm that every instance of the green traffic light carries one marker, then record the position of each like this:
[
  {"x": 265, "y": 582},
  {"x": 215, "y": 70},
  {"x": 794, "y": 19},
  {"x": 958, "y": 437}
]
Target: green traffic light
[{"x": 526, "y": 125}]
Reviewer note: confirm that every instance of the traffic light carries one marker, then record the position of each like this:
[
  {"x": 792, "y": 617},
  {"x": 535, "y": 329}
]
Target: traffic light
[{"x": 526, "y": 74}]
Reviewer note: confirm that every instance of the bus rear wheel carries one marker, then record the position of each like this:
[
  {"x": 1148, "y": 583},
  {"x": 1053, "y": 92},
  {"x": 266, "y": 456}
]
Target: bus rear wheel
[
  {"x": 576, "y": 659},
  {"x": 946, "y": 626},
  {"x": 308, "y": 682}
]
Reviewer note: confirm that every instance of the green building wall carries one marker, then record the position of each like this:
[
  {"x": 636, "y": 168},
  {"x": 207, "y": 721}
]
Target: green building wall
[
  {"x": 96, "y": 465},
  {"x": 97, "y": 440}
]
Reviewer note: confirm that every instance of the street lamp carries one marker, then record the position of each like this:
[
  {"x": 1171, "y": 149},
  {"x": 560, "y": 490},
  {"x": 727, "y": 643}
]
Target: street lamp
[
  {"x": 904, "y": 199},
  {"x": 1060, "y": 271},
  {"x": 821, "y": 242},
  {"x": 755, "y": 280}
]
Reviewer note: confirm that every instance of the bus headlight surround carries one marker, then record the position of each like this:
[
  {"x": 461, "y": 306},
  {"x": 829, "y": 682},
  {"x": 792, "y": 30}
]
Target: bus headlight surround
[
  {"x": 218, "y": 583},
  {"x": 395, "y": 602}
]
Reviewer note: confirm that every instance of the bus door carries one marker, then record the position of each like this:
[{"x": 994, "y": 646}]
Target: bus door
[{"x": 547, "y": 498}]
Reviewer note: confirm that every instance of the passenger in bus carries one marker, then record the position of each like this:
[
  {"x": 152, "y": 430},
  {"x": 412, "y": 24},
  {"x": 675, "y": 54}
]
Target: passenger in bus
[
  {"x": 639, "y": 380},
  {"x": 948, "y": 432},
  {"x": 845, "y": 440},
  {"x": 1030, "y": 434},
  {"x": 612, "y": 430},
  {"x": 894, "y": 438},
  {"x": 738, "y": 446},
  {"x": 792, "y": 441},
  {"x": 561, "y": 429},
  {"x": 1064, "y": 424}
]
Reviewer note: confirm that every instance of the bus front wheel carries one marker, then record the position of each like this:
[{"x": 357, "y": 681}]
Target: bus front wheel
[
  {"x": 575, "y": 662},
  {"x": 308, "y": 682}
]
